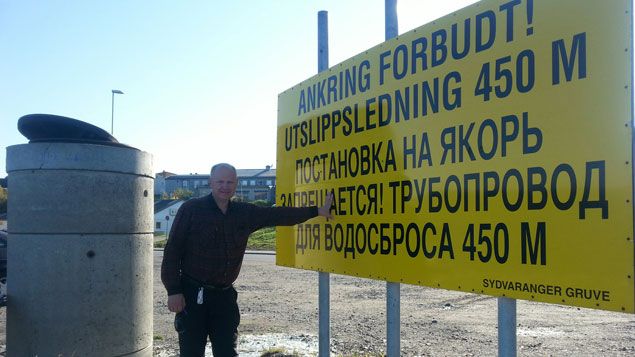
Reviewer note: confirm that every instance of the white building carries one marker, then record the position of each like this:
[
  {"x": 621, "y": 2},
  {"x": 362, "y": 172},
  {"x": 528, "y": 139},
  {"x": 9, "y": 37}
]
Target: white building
[{"x": 164, "y": 213}]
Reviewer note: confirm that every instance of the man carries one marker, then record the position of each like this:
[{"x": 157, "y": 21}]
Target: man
[{"x": 203, "y": 257}]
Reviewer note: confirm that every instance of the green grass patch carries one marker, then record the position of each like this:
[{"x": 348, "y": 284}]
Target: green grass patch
[
  {"x": 263, "y": 239},
  {"x": 160, "y": 239},
  {"x": 160, "y": 244}
]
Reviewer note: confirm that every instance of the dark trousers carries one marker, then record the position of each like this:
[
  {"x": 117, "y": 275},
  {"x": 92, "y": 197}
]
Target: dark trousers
[{"x": 217, "y": 318}]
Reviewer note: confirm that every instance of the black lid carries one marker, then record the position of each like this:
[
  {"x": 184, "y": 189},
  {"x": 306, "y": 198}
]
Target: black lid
[{"x": 55, "y": 128}]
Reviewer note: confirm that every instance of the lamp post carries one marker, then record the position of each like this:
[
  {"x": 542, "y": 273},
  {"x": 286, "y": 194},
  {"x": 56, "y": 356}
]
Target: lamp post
[{"x": 112, "y": 113}]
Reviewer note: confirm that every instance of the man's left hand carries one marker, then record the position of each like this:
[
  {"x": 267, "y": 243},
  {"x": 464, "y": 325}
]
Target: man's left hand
[{"x": 325, "y": 210}]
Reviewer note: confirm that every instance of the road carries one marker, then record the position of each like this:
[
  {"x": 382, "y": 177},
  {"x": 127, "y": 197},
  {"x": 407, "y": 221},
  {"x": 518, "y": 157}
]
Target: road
[{"x": 250, "y": 256}]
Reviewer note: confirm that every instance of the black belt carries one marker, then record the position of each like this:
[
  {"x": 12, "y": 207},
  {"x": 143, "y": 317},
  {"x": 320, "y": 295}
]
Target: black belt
[{"x": 192, "y": 281}]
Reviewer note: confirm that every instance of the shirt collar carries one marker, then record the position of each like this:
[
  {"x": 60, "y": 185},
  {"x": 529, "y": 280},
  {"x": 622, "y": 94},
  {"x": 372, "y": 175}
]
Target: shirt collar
[{"x": 212, "y": 202}]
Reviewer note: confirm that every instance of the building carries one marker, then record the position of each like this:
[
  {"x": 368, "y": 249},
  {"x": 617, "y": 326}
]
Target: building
[
  {"x": 253, "y": 184},
  {"x": 159, "y": 184},
  {"x": 164, "y": 213},
  {"x": 195, "y": 183},
  {"x": 257, "y": 184}
]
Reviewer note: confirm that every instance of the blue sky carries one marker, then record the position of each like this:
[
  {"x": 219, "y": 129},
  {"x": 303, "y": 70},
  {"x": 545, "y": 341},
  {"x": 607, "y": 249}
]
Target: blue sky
[{"x": 201, "y": 78}]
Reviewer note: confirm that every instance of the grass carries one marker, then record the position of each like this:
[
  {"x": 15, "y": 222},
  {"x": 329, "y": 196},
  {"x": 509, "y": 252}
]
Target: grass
[
  {"x": 159, "y": 239},
  {"x": 264, "y": 239}
]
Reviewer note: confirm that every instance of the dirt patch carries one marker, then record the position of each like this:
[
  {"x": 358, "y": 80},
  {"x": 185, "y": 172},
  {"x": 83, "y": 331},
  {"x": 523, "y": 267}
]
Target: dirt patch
[{"x": 280, "y": 307}]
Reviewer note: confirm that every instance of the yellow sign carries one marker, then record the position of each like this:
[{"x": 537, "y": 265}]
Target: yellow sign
[{"x": 489, "y": 151}]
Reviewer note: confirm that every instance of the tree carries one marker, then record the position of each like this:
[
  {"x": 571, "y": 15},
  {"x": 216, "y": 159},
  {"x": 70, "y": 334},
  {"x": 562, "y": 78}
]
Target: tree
[{"x": 182, "y": 194}]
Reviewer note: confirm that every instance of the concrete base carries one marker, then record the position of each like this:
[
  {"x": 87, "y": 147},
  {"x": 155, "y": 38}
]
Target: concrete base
[
  {"x": 93, "y": 295},
  {"x": 79, "y": 275}
]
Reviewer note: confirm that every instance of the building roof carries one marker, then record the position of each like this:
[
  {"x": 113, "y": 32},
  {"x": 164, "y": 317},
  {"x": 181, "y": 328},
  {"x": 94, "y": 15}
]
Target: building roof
[
  {"x": 165, "y": 174},
  {"x": 256, "y": 172},
  {"x": 163, "y": 204},
  {"x": 186, "y": 177},
  {"x": 241, "y": 173},
  {"x": 267, "y": 173}
]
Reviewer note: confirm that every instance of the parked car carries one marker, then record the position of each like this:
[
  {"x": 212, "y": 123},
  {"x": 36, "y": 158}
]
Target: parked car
[{"x": 3, "y": 268}]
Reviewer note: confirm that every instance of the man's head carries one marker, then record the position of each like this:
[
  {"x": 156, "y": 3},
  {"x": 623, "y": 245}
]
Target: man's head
[{"x": 223, "y": 182}]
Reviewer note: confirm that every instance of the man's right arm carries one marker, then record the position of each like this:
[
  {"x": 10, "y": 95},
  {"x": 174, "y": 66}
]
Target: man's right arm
[{"x": 173, "y": 254}]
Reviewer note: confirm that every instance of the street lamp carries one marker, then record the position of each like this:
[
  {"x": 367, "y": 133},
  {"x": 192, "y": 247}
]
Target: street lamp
[{"x": 112, "y": 113}]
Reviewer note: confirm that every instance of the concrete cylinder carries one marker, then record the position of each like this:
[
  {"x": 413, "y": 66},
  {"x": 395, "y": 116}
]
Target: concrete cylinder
[{"x": 80, "y": 257}]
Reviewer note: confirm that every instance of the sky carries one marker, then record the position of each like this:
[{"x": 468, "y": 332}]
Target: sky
[{"x": 200, "y": 78}]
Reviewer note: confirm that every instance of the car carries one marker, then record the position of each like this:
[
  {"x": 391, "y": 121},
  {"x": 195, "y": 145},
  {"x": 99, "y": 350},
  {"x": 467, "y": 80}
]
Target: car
[
  {"x": 3, "y": 246},
  {"x": 3, "y": 267}
]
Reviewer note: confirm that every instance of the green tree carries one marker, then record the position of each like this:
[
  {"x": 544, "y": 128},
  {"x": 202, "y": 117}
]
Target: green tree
[
  {"x": 4, "y": 196},
  {"x": 182, "y": 194}
]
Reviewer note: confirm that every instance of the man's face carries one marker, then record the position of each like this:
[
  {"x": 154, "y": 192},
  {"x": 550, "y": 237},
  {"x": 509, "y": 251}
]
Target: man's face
[{"x": 223, "y": 183}]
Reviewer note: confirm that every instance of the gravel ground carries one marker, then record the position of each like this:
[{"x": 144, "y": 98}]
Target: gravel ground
[{"x": 280, "y": 310}]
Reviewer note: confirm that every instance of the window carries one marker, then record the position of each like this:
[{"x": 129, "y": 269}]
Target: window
[
  {"x": 184, "y": 184},
  {"x": 269, "y": 183},
  {"x": 243, "y": 182},
  {"x": 158, "y": 225},
  {"x": 252, "y": 182}
]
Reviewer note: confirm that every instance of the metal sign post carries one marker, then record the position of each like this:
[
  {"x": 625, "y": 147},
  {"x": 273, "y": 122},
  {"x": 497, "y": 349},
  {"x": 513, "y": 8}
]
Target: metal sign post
[
  {"x": 324, "y": 278},
  {"x": 506, "y": 327},
  {"x": 393, "y": 295}
]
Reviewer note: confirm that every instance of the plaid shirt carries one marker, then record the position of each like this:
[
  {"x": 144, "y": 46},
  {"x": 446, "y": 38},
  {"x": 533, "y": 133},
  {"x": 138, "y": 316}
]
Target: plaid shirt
[{"x": 209, "y": 246}]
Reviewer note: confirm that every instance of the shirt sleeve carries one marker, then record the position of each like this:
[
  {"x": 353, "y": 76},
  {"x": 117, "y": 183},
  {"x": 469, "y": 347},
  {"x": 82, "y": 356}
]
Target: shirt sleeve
[
  {"x": 282, "y": 216},
  {"x": 174, "y": 250}
]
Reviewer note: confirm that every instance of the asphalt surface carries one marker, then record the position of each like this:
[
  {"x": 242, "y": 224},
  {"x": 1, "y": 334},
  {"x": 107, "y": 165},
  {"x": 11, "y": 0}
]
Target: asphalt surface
[{"x": 250, "y": 255}]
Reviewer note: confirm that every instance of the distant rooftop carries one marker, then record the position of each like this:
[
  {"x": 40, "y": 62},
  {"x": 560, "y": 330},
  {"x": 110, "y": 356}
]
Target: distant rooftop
[
  {"x": 266, "y": 172},
  {"x": 163, "y": 204},
  {"x": 165, "y": 174}
]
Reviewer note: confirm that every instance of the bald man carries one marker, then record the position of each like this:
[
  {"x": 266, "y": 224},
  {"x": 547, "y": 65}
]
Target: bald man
[{"x": 203, "y": 257}]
